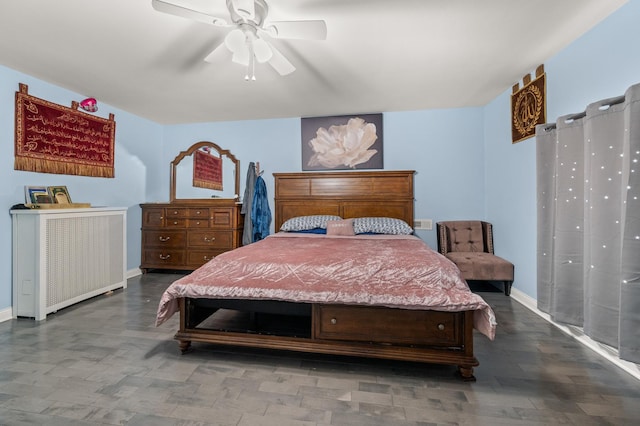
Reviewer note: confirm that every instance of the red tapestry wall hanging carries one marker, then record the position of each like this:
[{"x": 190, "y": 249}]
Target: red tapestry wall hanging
[
  {"x": 51, "y": 138},
  {"x": 207, "y": 170},
  {"x": 528, "y": 106}
]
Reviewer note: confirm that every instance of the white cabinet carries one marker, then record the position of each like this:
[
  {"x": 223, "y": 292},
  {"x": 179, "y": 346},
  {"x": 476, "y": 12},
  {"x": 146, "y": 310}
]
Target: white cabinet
[{"x": 64, "y": 256}]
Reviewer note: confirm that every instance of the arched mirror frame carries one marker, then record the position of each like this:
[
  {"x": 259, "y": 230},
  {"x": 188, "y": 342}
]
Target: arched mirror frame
[{"x": 190, "y": 151}]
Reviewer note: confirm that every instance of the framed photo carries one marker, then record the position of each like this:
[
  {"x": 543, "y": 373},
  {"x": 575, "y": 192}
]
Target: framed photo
[
  {"x": 59, "y": 194},
  {"x": 342, "y": 142},
  {"x": 37, "y": 195}
]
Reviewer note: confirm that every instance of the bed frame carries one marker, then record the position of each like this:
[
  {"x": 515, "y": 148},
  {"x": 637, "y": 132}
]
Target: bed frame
[{"x": 376, "y": 332}]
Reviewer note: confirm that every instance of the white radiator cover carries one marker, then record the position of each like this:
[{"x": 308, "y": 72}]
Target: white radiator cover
[{"x": 64, "y": 256}]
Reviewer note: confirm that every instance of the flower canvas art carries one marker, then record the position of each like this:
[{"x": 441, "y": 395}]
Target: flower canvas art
[{"x": 342, "y": 142}]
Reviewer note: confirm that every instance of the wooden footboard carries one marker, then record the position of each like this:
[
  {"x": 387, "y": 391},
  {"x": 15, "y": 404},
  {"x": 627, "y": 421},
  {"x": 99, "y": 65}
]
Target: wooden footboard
[{"x": 373, "y": 332}]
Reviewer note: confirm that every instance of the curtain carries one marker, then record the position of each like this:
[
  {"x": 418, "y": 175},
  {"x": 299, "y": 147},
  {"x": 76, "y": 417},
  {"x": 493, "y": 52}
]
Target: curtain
[{"x": 589, "y": 221}]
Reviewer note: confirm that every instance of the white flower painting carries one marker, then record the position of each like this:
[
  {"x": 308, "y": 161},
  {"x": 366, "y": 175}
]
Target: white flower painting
[{"x": 351, "y": 142}]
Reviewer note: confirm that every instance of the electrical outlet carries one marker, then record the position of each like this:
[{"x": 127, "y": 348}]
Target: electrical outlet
[{"x": 426, "y": 224}]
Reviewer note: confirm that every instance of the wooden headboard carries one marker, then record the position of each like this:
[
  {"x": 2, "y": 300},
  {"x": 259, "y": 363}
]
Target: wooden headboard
[{"x": 346, "y": 194}]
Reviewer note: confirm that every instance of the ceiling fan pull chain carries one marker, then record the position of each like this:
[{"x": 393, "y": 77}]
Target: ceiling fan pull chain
[{"x": 251, "y": 66}]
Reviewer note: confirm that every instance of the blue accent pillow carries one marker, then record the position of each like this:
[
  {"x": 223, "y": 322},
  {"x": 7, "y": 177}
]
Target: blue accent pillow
[{"x": 311, "y": 231}]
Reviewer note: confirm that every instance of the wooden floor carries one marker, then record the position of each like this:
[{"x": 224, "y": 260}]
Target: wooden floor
[{"x": 104, "y": 362}]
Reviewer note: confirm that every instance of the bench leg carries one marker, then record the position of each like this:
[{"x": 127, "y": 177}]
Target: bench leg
[{"x": 507, "y": 287}]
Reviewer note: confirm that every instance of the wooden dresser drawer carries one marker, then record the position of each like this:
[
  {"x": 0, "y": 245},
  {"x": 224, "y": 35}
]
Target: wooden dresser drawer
[
  {"x": 172, "y": 212},
  {"x": 198, "y": 223},
  {"x": 156, "y": 258},
  {"x": 372, "y": 324},
  {"x": 210, "y": 239},
  {"x": 173, "y": 222},
  {"x": 164, "y": 238},
  {"x": 198, "y": 213},
  {"x": 198, "y": 258}
]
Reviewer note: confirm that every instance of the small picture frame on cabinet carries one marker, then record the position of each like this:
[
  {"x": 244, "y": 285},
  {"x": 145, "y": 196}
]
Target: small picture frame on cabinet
[
  {"x": 37, "y": 195},
  {"x": 59, "y": 194}
]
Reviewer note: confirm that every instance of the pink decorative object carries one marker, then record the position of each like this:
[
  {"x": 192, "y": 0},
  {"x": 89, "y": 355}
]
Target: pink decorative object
[{"x": 89, "y": 104}]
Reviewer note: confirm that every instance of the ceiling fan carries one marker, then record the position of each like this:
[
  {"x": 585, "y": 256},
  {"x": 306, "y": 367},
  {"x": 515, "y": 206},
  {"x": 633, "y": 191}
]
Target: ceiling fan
[{"x": 246, "y": 39}]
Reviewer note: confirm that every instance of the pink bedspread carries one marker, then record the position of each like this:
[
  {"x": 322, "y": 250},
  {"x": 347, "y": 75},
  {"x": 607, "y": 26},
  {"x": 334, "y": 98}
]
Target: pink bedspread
[{"x": 383, "y": 270}]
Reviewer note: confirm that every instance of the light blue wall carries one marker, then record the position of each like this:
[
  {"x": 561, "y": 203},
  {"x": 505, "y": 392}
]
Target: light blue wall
[
  {"x": 417, "y": 140},
  {"x": 601, "y": 64},
  {"x": 138, "y": 161}
]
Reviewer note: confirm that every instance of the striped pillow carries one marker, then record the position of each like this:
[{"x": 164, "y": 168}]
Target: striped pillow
[
  {"x": 303, "y": 223},
  {"x": 381, "y": 225}
]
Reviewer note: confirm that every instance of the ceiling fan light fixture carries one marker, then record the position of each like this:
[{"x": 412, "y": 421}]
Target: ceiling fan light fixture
[
  {"x": 244, "y": 40},
  {"x": 261, "y": 50},
  {"x": 235, "y": 40}
]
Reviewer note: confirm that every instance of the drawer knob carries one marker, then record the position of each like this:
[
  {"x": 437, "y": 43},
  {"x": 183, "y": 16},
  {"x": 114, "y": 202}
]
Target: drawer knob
[
  {"x": 165, "y": 257},
  {"x": 164, "y": 239},
  {"x": 198, "y": 223},
  {"x": 334, "y": 321},
  {"x": 208, "y": 240},
  {"x": 198, "y": 212},
  {"x": 161, "y": 217},
  {"x": 440, "y": 327},
  {"x": 175, "y": 223},
  {"x": 206, "y": 258},
  {"x": 175, "y": 212}
]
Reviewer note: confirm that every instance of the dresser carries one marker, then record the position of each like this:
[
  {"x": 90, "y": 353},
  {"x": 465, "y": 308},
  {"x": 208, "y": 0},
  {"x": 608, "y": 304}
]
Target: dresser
[{"x": 184, "y": 235}]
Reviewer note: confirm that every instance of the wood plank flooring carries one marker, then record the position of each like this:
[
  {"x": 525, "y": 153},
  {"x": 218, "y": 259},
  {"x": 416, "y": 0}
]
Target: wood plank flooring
[{"x": 104, "y": 362}]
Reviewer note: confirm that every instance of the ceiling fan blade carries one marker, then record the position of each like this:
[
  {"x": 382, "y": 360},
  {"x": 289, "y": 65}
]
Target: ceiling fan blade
[
  {"x": 174, "y": 9},
  {"x": 216, "y": 53},
  {"x": 280, "y": 63},
  {"x": 303, "y": 30}
]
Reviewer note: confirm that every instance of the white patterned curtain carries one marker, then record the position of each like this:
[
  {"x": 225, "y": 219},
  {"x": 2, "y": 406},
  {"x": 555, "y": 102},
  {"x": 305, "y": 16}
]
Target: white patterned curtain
[{"x": 588, "y": 167}]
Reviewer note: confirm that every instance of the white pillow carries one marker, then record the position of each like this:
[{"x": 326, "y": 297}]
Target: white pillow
[
  {"x": 303, "y": 223},
  {"x": 381, "y": 225}
]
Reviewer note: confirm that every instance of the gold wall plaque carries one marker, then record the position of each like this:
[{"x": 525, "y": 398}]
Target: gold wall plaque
[{"x": 528, "y": 106}]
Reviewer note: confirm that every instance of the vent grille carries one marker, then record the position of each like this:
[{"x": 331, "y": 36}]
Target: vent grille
[
  {"x": 423, "y": 224},
  {"x": 84, "y": 257}
]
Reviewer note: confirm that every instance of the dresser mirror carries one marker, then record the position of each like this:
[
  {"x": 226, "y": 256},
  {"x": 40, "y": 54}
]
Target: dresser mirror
[{"x": 182, "y": 187}]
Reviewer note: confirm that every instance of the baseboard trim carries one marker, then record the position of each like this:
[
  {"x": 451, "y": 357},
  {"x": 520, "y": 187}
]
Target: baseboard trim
[
  {"x": 134, "y": 272},
  {"x": 607, "y": 352},
  {"x": 6, "y": 314}
]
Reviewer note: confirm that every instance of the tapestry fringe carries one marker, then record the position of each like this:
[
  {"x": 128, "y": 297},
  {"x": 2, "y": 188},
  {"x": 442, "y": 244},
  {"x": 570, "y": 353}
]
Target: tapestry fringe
[
  {"x": 206, "y": 184},
  {"x": 46, "y": 166}
]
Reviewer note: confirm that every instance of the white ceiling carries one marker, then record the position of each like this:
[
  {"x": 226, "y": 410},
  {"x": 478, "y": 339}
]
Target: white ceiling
[{"x": 380, "y": 55}]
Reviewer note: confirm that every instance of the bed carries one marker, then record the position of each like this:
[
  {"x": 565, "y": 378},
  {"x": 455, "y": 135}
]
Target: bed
[{"x": 373, "y": 295}]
